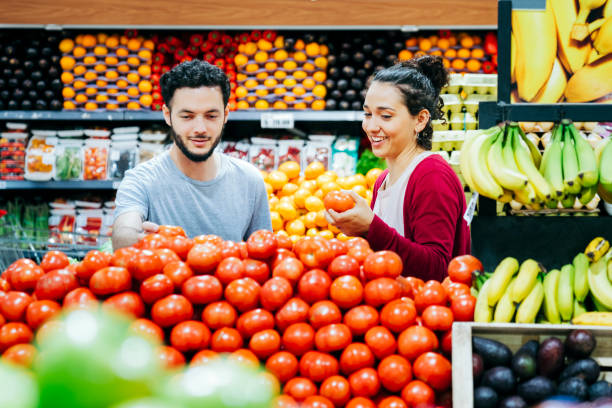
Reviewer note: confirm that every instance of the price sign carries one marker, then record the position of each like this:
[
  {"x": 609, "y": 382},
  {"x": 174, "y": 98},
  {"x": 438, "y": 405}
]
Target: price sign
[
  {"x": 277, "y": 120},
  {"x": 2, "y": 185}
]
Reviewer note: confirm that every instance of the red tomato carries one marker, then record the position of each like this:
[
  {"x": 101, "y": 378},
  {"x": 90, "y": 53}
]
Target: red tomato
[
  {"x": 284, "y": 241},
  {"x": 171, "y": 310},
  {"x": 166, "y": 256},
  {"x": 359, "y": 253},
  {"x": 415, "y": 341},
  {"x": 80, "y": 298},
  {"x": 290, "y": 269},
  {"x": 432, "y": 293},
  {"x": 95, "y": 260},
  {"x": 261, "y": 244},
  {"x": 455, "y": 289},
  {"x": 314, "y": 252},
  {"x": 317, "y": 401},
  {"x": 463, "y": 308},
  {"x": 300, "y": 388},
  {"x": 346, "y": 291},
  {"x": 338, "y": 247},
  {"x": 145, "y": 264},
  {"x": 355, "y": 357},
  {"x": 14, "y": 333},
  {"x": 283, "y": 365},
  {"x": 122, "y": 257},
  {"x": 110, "y": 280},
  {"x": 226, "y": 339},
  {"x": 54, "y": 260},
  {"x": 360, "y": 319},
  {"x": 410, "y": 285},
  {"x": 323, "y": 313},
  {"x": 231, "y": 249},
  {"x": 380, "y": 291},
  {"x": 128, "y": 303},
  {"x": 208, "y": 239},
  {"x": 40, "y": 311},
  {"x": 148, "y": 329},
  {"x": 294, "y": 311},
  {"x": 20, "y": 354},
  {"x": 357, "y": 242},
  {"x": 202, "y": 289},
  {"x": 219, "y": 314},
  {"x": 23, "y": 274},
  {"x": 275, "y": 293},
  {"x": 4, "y": 285},
  {"x": 318, "y": 366},
  {"x": 265, "y": 343},
  {"x": 153, "y": 241},
  {"x": 333, "y": 337},
  {"x": 13, "y": 305},
  {"x": 416, "y": 393},
  {"x": 392, "y": 402},
  {"x": 382, "y": 264},
  {"x": 189, "y": 335},
  {"x": 246, "y": 357},
  {"x": 364, "y": 382},
  {"x": 280, "y": 255},
  {"x": 343, "y": 265},
  {"x": 230, "y": 269},
  {"x": 462, "y": 268},
  {"x": 446, "y": 342},
  {"x": 170, "y": 230},
  {"x": 180, "y": 245},
  {"x": 434, "y": 369},
  {"x": 254, "y": 321},
  {"x": 298, "y": 338},
  {"x": 438, "y": 317},
  {"x": 394, "y": 372},
  {"x": 257, "y": 270},
  {"x": 360, "y": 402},
  {"x": 380, "y": 340},
  {"x": 337, "y": 389},
  {"x": 156, "y": 287},
  {"x": 204, "y": 258},
  {"x": 338, "y": 201},
  {"x": 398, "y": 315},
  {"x": 56, "y": 284},
  {"x": 203, "y": 357},
  {"x": 243, "y": 294},
  {"x": 284, "y": 401},
  {"x": 169, "y": 357},
  {"x": 314, "y": 286}
]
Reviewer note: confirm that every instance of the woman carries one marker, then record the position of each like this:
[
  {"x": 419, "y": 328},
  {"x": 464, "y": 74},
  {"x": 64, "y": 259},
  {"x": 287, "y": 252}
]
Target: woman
[{"x": 418, "y": 203}]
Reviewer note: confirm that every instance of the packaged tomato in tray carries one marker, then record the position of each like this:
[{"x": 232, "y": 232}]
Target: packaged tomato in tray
[
  {"x": 12, "y": 155},
  {"x": 40, "y": 158},
  {"x": 95, "y": 159},
  {"x": 319, "y": 148},
  {"x": 263, "y": 153},
  {"x": 290, "y": 150},
  {"x": 239, "y": 150}
]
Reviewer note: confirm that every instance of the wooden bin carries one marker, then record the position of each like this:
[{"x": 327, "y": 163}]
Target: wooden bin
[{"x": 514, "y": 336}]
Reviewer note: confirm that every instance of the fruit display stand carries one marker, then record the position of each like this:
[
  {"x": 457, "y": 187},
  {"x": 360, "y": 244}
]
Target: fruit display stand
[{"x": 514, "y": 336}]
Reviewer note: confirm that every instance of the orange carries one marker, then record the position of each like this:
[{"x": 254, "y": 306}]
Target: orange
[
  {"x": 112, "y": 106},
  {"x": 343, "y": 237},
  {"x": 240, "y": 60},
  {"x": 146, "y": 100},
  {"x": 289, "y": 98},
  {"x": 295, "y": 227},
  {"x": 122, "y": 83},
  {"x": 324, "y": 49},
  {"x": 145, "y": 86},
  {"x": 312, "y": 49},
  {"x": 319, "y": 104},
  {"x": 450, "y": 53},
  {"x": 446, "y": 63},
  {"x": 67, "y": 63},
  {"x": 280, "y": 74},
  {"x": 299, "y": 75},
  {"x": 271, "y": 66},
  {"x": 319, "y": 91},
  {"x": 372, "y": 175},
  {"x": 279, "y": 91},
  {"x": 111, "y": 74},
  {"x": 133, "y": 77},
  {"x": 452, "y": 40},
  {"x": 463, "y": 53},
  {"x": 359, "y": 179},
  {"x": 321, "y": 62},
  {"x": 411, "y": 42},
  {"x": 289, "y": 65},
  {"x": 299, "y": 90},
  {"x": 443, "y": 43},
  {"x": 277, "y": 221},
  {"x": 148, "y": 44},
  {"x": 313, "y": 204},
  {"x": 281, "y": 55},
  {"x": 299, "y": 44},
  {"x": 270, "y": 82},
  {"x": 69, "y": 105},
  {"x": 404, "y": 55},
  {"x": 310, "y": 219},
  {"x": 288, "y": 189},
  {"x": 434, "y": 40},
  {"x": 419, "y": 53},
  {"x": 436, "y": 52},
  {"x": 91, "y": 91},
  {"x": 122, "y": 52},
  {"x": 66, "y": 45},
  {"x": 250, "y": 48},
  {"x": 79, "y": 70},
  {"x": 251, "y": 99},
  {"x": 319, "y": 76},
  {"x": 100, "y": 50},
  {"x": 329, "y": 186},
  {"x": 133, "y": 61},
  {"x": 133, "y": 105},
  {"x": 279, "y": 105},
  {"x": 252, "y": 67},
  {"x": 262, "y": 104},
  {"x": 79, "y": 84},
  {"x": 467, "y": 41},
  {"x": 264, "y": 45},
  {"x": 458, "y": 64},
  {"x": 112, "y": 41},
  {"x": 477, "y": 53},
  {"x": 144, "y": 70},
  {"x": 79, "y": 39},
  {"x": 308, "y": 66},
  {"x": 327, "y": 234},
  {"x": 101, "y": 37},
  {"x": 261, "y": 56},
  {"x": 424, "y": 44},
  {"x": 477, "y": 39},
  {"x": 309, "y": 184},
  {"x": 262, "y": 92},
  {"x": 251, "y": 83},
  {"x": 145, "y": 54},
  {"x": 314, "y": 170},
  {"x": 79, "y": 51},
  {"x": 91, "y": 75},
  {"x": 68, "y": 93},
  {"x": 112, "y": 91},
  {"x": 241, "y": 77},
  {"x": 290, "y": 168},
  {"x": 320, "y": 220},
  {"x": 308, "y": 83},
  {"x": 111, "y": 60},
  {"x": 101, "y": 98},
  {"x": 286, "y": 211},
  {"x": 242, "y": 105},
  {"x": 300, "y": 56},
  {"x": 123, "y": 68},
  {"x": 133, "y": 91},
  {"x": 261, "y": 75},
  {"x": 326, "y": 177},
  {"x": 91, "y": 106},
  {"x": 300, "y": 196},
  {"x": 89, "y": 40},
  {"x": 98, "y": 68},
  {"x": 133, "y": 44},
  {"x": 80, "y": 98},
  {"x": 360, "y": 189},
  {"x": 289, "y": 82},
  {"x": 67, "y": 77},
  {"x": 473, "y": 65},
  {"x": 89, "y": 60},
  {"x": 279, "y": 42},
  {"x": 122, "y": 98},
  {"x": 241, "y": 92}
]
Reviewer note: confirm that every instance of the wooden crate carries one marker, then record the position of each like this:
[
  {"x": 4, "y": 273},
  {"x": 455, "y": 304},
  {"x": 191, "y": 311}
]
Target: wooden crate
[{"x": 514, "y": 336}]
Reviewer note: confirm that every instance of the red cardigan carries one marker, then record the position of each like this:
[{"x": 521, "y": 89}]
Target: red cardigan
[{"x": 434, "y": 228}]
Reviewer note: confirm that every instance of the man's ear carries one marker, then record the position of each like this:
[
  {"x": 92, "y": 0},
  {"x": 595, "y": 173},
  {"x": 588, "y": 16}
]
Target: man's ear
[
  {"x": 226, "y": 113},
  {"x": 166, "y": 111},
  {"x": 422, "y": 120}
]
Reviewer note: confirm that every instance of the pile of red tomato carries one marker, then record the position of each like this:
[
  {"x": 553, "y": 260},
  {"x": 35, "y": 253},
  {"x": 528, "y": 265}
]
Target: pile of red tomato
[{"x": 333, "y": 321}]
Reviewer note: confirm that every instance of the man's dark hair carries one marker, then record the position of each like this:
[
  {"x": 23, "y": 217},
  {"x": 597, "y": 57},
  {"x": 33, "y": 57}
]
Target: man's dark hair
[{"x": 194, "y": 74}]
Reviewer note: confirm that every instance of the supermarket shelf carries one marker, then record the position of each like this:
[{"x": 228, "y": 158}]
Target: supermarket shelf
[
  {"x": 59, "y": 185},
  {"x": 61, "y": 115}
]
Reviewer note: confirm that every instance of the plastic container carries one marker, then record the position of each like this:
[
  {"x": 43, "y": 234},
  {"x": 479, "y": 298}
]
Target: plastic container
[
  {"x": 452, "y": 103},
  {"x": 345, "y": 155},
  {"x": 69, "y": 160},
  {"x": 147, "y": 151},
  {"x": 290, "y": 150},
  {"x": 480, "y": 83},
  {"x": 123, "y": 157},
  {"x": 95, "y": 159},
  {"x": 319, "y": 148},
  {"x": 239, "y": 150},
  {"x": 40, "y": 158},
  {"x": 455, "y": 83},
  {"x": 12, "y": 155},
  {"x": 263, "y": 153},
  {"x": 472, "y": 101}
]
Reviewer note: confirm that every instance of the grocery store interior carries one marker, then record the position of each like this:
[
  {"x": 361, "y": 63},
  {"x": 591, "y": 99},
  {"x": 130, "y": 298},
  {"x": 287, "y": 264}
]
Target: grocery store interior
[{"x": 203, "y": 321}]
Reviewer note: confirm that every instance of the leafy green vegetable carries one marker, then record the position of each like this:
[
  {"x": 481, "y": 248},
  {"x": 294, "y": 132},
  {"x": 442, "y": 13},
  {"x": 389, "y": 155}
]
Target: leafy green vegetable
[{"x": 368, "y": 161}]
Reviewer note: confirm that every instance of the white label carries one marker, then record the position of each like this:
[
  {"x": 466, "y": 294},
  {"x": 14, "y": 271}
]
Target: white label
[
  {"x": 277, "y": 120},
  {"x": 2, "y": 185},
  {"x": 115, "y": 185},
  {"x": 469, "y": 212}
]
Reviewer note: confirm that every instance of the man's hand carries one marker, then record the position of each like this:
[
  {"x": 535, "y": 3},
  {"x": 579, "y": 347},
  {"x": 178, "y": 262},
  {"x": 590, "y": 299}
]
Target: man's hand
[
  {"x": 353, "y": 222},
  {"x": 149, "y": 228}
]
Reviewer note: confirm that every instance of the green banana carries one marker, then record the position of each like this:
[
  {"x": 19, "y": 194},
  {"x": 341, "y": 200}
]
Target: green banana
[
  {"x": 505, "y": 175},
  {"x": 505, "y": 308},
  {"x": 581, "y": 282},
  {"x": 605, "y": 168},
  {"x": 551, "y": 287},
  {"x": 587, "y": 163},
  {"x": 525, "y": 280},
  {"x": 530, "y": 306},
  {"x": 568, "y": 201},
  {"x": 552, "y": 165},
  {"x": 578, "y": 308},
  {"x": 502, "y": 275},
  {"x": 610, "y": 271},
  {"x": 599, "y": 284},
  {"x": 483, "y": 181},
  {"x": 526, "y": 165},
  {"x": 483, "y": 313},
  {"x": 598, "y": 305},
  {"x": 533, "y": 150},
  {"x": 586, "y": 194},
  {"x": 571, "y": 181},
  {"x": 565, "y": 292}
]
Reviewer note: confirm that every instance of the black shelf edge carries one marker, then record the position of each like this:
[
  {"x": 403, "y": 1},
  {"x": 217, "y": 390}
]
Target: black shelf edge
[{"x": 60, "y": 185}]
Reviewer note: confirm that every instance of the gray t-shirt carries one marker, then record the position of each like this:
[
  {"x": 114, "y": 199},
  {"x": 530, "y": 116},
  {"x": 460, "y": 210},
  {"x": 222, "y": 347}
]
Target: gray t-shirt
[{"x": 233, "y": 205}]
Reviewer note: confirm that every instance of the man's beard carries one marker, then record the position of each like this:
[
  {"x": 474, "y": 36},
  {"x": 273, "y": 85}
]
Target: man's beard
[{"x": 194, "y": 156}]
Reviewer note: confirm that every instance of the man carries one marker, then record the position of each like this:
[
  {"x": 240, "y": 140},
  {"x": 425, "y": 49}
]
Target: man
[{"x": 191, "y": 185}]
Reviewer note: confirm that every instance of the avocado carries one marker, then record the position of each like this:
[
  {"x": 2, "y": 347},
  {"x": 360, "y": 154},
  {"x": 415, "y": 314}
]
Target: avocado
[
  {"x": 41, "y": 86},
  {"x": 331, "y": 104},
  {"x": 524, "y": 365},
  {"x": 28, "y": 65},
  {"x": 331, "y": 60},
  {"x": 357, "y": 105},
  {"x": 56, "y": 84},
  {"x": 32, "y": 95},
  {"x": 536, "y": 389},
  {"x": 368, "y": 64},
  {"x": 342, "y": 84},
  {"x": 336, "y": 94},
  {"x": 358, "y": 57},
  {"x": 43, "y": 64},
  {"x": 344, "y": 105},
  {"x": 580, "y": 343},
  {"x": 512, "y": 402},
  {"x": 381, "y": 41},
  {"x": 49, "y": 94},
  {"x": 398, "y": 46},
  {"x": 46, "y": 52},
  {"x": 26, "y": 105},
  {"x": 391, "y": 59},
  {"x": 350, "y": 95},
  {"x": 361, "y": 73},
  {"x": 53, "y": 72},
  {"x": 378, "y": 53},
  {"x": 343, "y": 57},
  {"x": 346, "y": 46},
  {"x": 56, "y": 104},
  {"x": 334, "y": 73},
  {"x": 330, "y": 84},
  {"x": 493, "y": 352},
  {"x": 587, "y": 369},
  {"x": 500, "y": 378},
  {"x": 19, "y": 73},
  {"x": 348, "y": 71},
  {"x": 485, "y": 397},
  {"x": 308, "y": 37},
  {"x": 574, "y": 387},
  {"x": 12, "y": 83},
  {"x": 27, "y": 84},
  {"x": 41, "y": 104},
  {"x": 367, "y": 48},
  {"x": 36, "y": 75},
  {"x": 530, "y": 347},
  {"x": 599, "y": 389},
  {"x": 12, "y": 104},
  {"x": 551, "y": 356},
  {"x": 18, "y": 94},
  {"x": 5, "y": 94},
  {"x": 31, "y": 52}
]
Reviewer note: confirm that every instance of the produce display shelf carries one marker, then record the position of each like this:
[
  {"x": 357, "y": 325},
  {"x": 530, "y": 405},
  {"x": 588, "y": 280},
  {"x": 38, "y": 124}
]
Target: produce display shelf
[
  {"x": 59, "y": 185},
  {"x": 60, "y": 115},
  {"x": 514, "y": 336}
]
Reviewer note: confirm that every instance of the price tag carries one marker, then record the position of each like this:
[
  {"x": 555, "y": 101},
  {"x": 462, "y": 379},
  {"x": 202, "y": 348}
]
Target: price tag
[
  {"x": 277, "y": 120},
  {"x": 469, "y": 212},
  {"x": 2, "y": 185},
  {"x": 115, "y": 185}
]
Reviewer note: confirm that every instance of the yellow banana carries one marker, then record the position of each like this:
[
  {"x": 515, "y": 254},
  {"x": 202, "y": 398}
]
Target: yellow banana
[
  {"x": 534, "y": 59},
  {"x": 587, "y": 163},
  {"x": 483, "y": 313},
  {"x": 573, "y": 54},
  {"x": 603, "y": 41},
  {"x": 599, "y": 284},
  {"x": 594, "y": 319},
  {"x": 581, "y": 280},
  {"x": 526, "y": 196},
  {"x": 586, "y": 194},
  {"x": 598, "y": 305},
  {"x": 597, "y": 248},
  {"x": 525, "y": 280},
  {"x": 505, "y": 308},
  {"x": 580, "y": 30},
  {"x": 578, "y": 308},
  {"x": 464, "y": 159},
  {"x": 607, "y": 11},
  {"x": 553, "y": 90},
  {"x": 483, "y": 181},
  {"x": 506, "y": 176},
  {"x": 590, "y": 82},
  {"x": 526, "y": 165},
  {"x": 530, "y": 306},
  {"x": 565, "y": 292},
  {"x": 551, "y": 287},
  {"x": 512, "y": 58},
  {"x": 605, "y": 168},
  {"x": 500, "y": 279},
  {"x": 552, "y": 163}
]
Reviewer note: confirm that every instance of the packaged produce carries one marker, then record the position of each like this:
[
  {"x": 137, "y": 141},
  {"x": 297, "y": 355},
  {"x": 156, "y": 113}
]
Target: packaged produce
[
  {"x": 61, "y": 225},
  {"x": 69, "y": 160},
  {"x": 95, "y": 155},
  {"x": 12, "y": 155},
  {"x": 319, "y": 148},
  {"x": 344, "y": 155},
  {"x": 40, "y": 158},
  {"x": 147, "y": 151},
  {"x": 263, "y": 153},
  {"x": 88, "y": 226},
  {"x": 290, "y": 150},
  {"x": 239, "y": 150},
  {"x": 123, "y": 157}
]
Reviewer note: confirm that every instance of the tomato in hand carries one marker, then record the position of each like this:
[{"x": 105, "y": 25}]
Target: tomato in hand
[
  {"x": 323, "y": 313},
  {"x": 380, "y": 291},
  {"x": 226, "y": 340},
  {"x": 314, "y": 286},
  {"x": 382, "y": 264},
  {"x": 434, "y": 369},
  {"x": 14, "y": 333},
  {"x": 254, "y": 321},
  {"x": 204, "y": 258},
  {"x": 13, "y": 305},
  {"x": 294, "y": 311},
  {"x": 298, "y": 338},
  {"x": 190, "y": 335},
  {"x": 337, "y": 389},
  {"x": 462, "y": 268},
  {"x": 20, "y": 354},
  {"x": 243, "y": 294},
  {"x": 148, "y": 329},
  {"x": 416, "y": 393},
  {"x": 145, "y": 264},
  {"x": 398, "y": 315},
  {"x": 128, "y": 303},
  {"x": 432, "y": 293},
  {"x": 355, "y": 357},
  {"x": 261, "y": 244},
  {"x": 257, "y": 270},
  {"x": 290, "y": 269},
  {"x": 169, "y": 357},
  {"x": 156, "y": 287},
  {"x": 275, "y": 293},
  {"x": 81, "y": 298},
  {"x": 463, "y": 308},
  {"x": 415, "y": 341},
  {"x": 343, "y": 265},
  {"x": 360, "y": 319},
  {"x": 346, "y": 291},
  {"x": 380, "y": 340},
  {"x": 283, "y": 365},
  {"x": 110, "y": 280},
  {"x": 230, "y": 269},
  {"x": 219, "y": 314},
  {"x": 40, "y": 311},
  {"x": 265, "y": 343},
  {"x": 171, "y": 310},
  {"x": 394, "y": 372},
  {"x": 300, "y": 388},
  {"x": 54, "y": 260},
  {"x": 438, "y": 317},
  {"x": 338, "y": 201},
  {"x": 364, "y": 382},
  {"x": 202, "y": 289}
]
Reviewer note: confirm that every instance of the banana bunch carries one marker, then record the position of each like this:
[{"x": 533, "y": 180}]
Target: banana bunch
[{"x": 603, "y": 155}]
